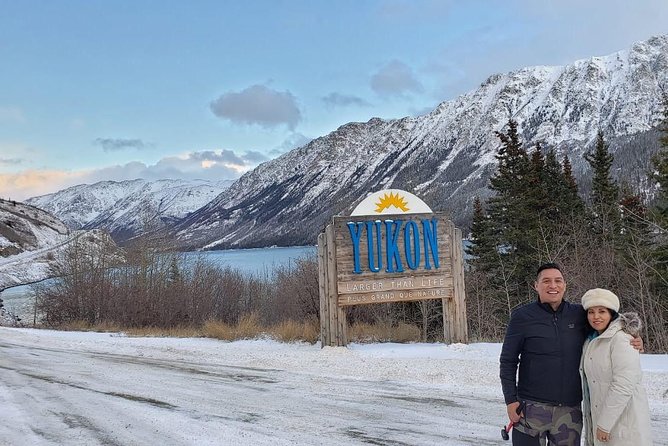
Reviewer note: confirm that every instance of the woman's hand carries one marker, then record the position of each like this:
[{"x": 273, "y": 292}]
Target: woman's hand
[{"x": 602, "y": 435}]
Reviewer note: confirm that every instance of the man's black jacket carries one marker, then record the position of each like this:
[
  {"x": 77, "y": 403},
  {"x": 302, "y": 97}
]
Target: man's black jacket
[{"x": 547, "y": 344}]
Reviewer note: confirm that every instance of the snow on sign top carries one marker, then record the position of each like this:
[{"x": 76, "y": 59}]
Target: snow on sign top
[{"x": 391, "y": 201}]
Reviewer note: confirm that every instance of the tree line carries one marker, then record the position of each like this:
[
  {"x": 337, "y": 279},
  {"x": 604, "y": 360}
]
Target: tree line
[
  {"x": 614, "y": 237},
  {"x": 150, "y": 285}
]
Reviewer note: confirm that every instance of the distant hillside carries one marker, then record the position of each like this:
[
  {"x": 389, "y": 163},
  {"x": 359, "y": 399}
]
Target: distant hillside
[
  {"x": 32, "y": 240},
  {"x": 27, "y": 228},
  {"x": 127, "y": 208}
]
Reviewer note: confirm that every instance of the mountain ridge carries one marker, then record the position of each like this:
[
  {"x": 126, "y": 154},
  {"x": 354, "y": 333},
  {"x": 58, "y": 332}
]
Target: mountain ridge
[
  {"x": 126, "y": 208},
  {"x": 446, "y": 156}
]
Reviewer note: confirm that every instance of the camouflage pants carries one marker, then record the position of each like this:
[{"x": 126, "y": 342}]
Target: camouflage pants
[{"x": 547, "y": 424}]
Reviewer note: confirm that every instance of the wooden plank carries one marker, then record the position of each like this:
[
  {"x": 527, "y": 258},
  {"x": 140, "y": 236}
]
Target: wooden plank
[
  {"x": 342, "y": 329},
  {"x": 446, "y": 322},
  {"x": 395, "y": 296},
  {"x": 322, "y": 291},
  {"x": 331, "y": 287},
  {"x": 460, "y": 287},
  {"x": 406, "y": 283},
  {"x": 345, "y": 256}
]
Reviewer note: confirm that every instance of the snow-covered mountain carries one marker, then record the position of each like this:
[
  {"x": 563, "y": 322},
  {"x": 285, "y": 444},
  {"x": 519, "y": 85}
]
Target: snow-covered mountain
[
  {"x": 27, "y": 228},
  {"x": 128, "y": 207},
  {"x": 29, "y": 237},
  {"x": 32, "y": 242},
  {"x": 447, "y": 156}
]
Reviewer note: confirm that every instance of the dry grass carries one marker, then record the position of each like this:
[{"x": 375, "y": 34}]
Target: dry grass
[
  {"x": 249, "y": 327},
  {"x": 86, "y": 326},
  {"x": 174, "y": 332},
  {"x": 106, "y": 327},
  {"x": 291, "y": 331},
  {"x": 383, "y": 332}
]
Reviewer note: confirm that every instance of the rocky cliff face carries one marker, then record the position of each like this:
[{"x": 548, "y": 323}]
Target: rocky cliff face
[
  {"x": 447, "y": 156},
  {"x": 27, "y": 228},
  {"x": 32, "y": 242}
]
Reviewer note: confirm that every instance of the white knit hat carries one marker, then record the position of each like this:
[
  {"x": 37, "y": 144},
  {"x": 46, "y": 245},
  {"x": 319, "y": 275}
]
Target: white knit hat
[{"x": 600, "y": 297}]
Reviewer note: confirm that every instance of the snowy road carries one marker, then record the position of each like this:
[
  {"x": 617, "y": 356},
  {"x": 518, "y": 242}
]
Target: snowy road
[{"x": 61, "y": 388}]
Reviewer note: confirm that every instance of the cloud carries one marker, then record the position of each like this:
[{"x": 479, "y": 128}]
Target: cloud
[
  {"x": 206, "y": 164},
  {"x": 224, "y": 156},
  {"x": 12, "y": 115},
  {"x": 395, "y": 79},
  {"x": 11, "y": 161},
  {"x": 421, "y": 111},
  {"x": 31, "y": 183},
  {"x": 292, "y": 142},
  {"x": 118, "y": 144},
  {"x": 341, "y": 100},
  {"x": 259, "y": 105},
  {"x": 254, "y": 157}
]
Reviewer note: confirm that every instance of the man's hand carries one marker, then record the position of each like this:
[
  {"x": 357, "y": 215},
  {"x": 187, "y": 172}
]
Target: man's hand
[
  {"x": 602, "y": 435},
  {"x": 513, "y": 415},
  {"x": 638, "y": 344}
]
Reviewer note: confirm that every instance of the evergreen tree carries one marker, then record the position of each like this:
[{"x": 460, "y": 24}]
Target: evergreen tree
[
  {"x": 573, "y": 203},
  {"x": 633, "y": 211},
  {"x": 482, "y": 247},
  {"x": 604, "y": 191},
  {"x": 511, "y": 219},
  {"x": 538, "y": 185},
  {"x": 660, "y": 163},
  {"x": 660, "y": 208}
]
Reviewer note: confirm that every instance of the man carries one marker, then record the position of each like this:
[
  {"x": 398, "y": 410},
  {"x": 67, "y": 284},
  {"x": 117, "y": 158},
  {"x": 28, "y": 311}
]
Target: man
[{"x": 545, "y": 338}]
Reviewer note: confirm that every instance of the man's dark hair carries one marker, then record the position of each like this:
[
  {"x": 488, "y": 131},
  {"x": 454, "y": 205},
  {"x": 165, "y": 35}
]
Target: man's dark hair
[{"x": 550, "y": 265}]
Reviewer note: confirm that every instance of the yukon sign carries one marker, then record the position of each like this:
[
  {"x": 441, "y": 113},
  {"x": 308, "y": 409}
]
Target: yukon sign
[
  {"x": 400, "y": 252},
  {"x": 391, "y": 231},
  {"x": 392, "y": 248}
]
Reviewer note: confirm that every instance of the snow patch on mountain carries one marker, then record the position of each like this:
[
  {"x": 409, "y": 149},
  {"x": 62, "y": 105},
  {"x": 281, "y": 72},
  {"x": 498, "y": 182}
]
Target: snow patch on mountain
[{"x": 126, "y": 208}]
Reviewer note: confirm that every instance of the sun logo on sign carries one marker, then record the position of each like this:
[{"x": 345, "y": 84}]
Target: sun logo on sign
[{"x": 392, "y": 199}]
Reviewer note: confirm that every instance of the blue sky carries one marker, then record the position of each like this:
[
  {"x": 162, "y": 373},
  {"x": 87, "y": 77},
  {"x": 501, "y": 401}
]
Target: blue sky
[{"x": 97, "y": 90}]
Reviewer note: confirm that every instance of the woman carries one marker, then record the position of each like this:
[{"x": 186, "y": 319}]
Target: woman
[{"x": 615, "y": 405}]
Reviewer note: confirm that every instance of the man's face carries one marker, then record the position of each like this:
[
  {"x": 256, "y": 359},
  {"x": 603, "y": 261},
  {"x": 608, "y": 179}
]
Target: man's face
[{"x": 550, "y": 286}]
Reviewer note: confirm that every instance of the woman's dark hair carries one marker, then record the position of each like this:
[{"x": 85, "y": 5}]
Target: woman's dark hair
[{"x": 613, "y": 315}]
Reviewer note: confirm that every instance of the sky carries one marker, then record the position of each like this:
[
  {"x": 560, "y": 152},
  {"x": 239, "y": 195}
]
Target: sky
[{"x": 93, "y": 90}]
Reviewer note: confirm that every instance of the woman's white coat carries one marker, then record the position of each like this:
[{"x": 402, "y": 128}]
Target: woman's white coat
[{"x": 614, "y": 397}]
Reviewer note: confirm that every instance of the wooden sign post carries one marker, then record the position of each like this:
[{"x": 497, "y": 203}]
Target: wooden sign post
[{"x": 392, "y": 248}]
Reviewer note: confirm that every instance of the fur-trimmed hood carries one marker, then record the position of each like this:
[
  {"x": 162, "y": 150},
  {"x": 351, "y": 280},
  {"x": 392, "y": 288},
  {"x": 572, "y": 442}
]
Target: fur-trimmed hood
[{"x": 630, "y": 323}]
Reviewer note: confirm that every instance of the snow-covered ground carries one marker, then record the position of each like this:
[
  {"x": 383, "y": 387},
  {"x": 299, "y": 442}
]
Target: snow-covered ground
[{"x": 71, "y": 388}]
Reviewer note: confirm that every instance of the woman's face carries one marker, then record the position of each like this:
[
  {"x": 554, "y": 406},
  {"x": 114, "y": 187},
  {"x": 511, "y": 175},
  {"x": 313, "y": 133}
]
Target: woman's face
[{"x": 599, "y": 318}]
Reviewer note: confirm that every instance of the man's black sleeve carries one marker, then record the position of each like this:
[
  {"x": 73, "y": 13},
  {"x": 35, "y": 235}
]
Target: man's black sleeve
[{"x": 510, "y": 358}]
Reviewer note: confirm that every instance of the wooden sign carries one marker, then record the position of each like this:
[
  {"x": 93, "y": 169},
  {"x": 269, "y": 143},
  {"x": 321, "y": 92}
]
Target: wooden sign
[
  {"x": 393, "y": 259},
  {"x": 392, "y": 248}
]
